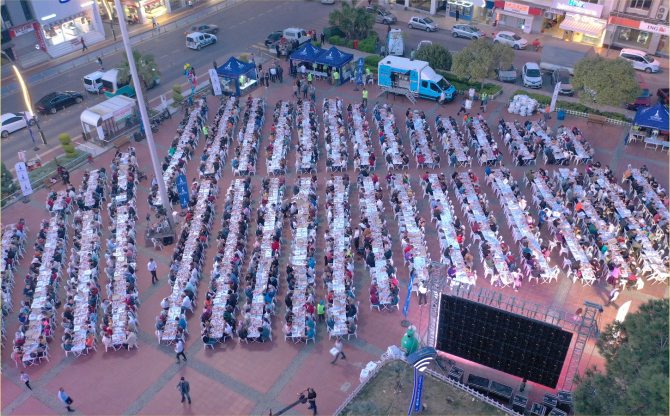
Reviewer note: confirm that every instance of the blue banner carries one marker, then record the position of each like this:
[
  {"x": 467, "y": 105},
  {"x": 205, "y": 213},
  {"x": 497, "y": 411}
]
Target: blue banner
[
  {"x": 30, "y": 130},
  {"x": 405, "y": 308},
  {"x": 411, "y": 404},
  {"x": 182, "y": 190},
  {"x": 418, "y": 394},
  {"x": 360, "y": 67}
]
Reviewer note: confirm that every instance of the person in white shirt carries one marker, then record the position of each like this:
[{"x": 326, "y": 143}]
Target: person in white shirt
[
  {"x": 338, "y": 348},
  {"x": 186, "y": 304},
  {"x": 25, "y": 380},
  {"x": 152, "y": 266},
  {"x": 523, "y": 204},
  {"x": 179, "y": 349},
  {"x": 423, "y": 293}
]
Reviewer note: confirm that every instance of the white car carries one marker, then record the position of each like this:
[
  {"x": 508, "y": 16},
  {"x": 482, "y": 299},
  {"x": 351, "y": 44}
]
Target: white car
[
  {"x": 511, "y": 39},
  {"x": 422, "y": 23},
  {"x": 531, "y": 75},
  {"x": 641, "y": 61},
  {"x": 467, "y": 31},
  {"x": 12, "y": 122}
]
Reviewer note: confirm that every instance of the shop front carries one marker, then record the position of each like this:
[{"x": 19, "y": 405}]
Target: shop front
[
  {"x": 142, "y": 11},
  {"x": 583, "y": 29},
  {"x": 556, "y": 14},
  {"x": 68, "y": 29},
  {"x": 518, "y": 16},
  {"x": 477, "y": 11},
  {"x": 645, "y": 36},
  {"x": 62, "y": 27}
]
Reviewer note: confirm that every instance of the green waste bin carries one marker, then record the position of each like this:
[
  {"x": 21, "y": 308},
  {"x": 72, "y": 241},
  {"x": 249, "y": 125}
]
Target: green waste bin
[{"x": 561, "y": 115}]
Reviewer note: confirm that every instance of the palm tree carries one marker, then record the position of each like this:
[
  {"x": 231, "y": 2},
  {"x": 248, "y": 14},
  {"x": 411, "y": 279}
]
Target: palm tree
[
  {"x": 147, "y": 69},
  {"x": 354, "y": 21}
]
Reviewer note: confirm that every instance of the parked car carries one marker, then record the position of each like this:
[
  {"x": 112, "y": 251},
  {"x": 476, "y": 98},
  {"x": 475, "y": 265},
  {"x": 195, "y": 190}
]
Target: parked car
[
  {"x": 662, "y": 94},
  {"x": 467, "y": 31},
  {"x": 422, "y": 23},
  {"x": 327, "y": 1},
  {"x": 55, "y": 101},
  {"x": 641, "y": 61},
  {"x": 12, "y": 122},
  {"x": 383, "y": 15},
  {"x": 507, "y": 75},
  {"x": 562, "y": 76},
  {"x": 511, "y": 39},
  {"x": 423, "y": 44},
  {"x": 531, "y": 75},
  {"x": 644, "y": 100},
  {"x": 274, "y": 37},
  {"x": 211, "y": 29}
]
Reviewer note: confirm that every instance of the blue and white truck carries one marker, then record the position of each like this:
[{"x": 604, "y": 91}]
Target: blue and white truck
[{"x": 413, "y": 78}]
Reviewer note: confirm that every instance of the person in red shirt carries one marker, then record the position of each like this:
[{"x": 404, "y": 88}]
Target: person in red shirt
[
  {"x": 420, "y": 158},
  {"x": 374, "y": 299},
  {"x": 408, "y": 248},
  {"x": 275, "y": 246}
]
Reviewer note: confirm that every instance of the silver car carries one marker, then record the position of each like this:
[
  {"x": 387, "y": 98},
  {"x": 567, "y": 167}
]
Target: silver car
[
  {"x": 383, "y": 15},
  {"x": 507, "y": 75},
  {"x": 467, "y": 31},
  {"x": 422, "y": 23}
]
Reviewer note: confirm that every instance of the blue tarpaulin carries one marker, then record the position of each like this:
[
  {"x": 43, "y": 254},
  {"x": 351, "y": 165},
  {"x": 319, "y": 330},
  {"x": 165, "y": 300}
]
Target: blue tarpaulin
[
  {"x": 655, "y": 117},
  {"x": 233, "y": 69}
]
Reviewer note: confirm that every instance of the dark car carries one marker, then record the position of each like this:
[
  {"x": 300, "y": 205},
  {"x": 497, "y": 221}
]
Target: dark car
[
  {"x": 55, "y": 101},
  {"x": 274, "y": 37},
  {"x": 663, "y": 95},
  {"x": 211, "y": 29}
]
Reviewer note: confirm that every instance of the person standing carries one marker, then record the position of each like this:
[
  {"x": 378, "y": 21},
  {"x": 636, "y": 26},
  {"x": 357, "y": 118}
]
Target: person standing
[
  {"x": 311, "y": 398},
  {"x": 67, "y": 400},
  {"x": 458, "y": 14},
  {"x": 338, "y": 351},
  {"x": 267, "y": 78},
  {"x": 382, "y": 51},
  {"x": 423, "y": 294},
  {"x": 83, "y": 44},
  {"x": 462, "y": 108},
  {"x": 312, "y": 93},
  {"x": 365, "y": 97},
  {"x": 184, "y": 388},
  {"x": 443, "y": 97},
  {"x": 152, "y": 266},
  {"x": 305, "y": 88},
  {"x": 179, "y": 349},
  {"x": 25, "y": 380},
  {"x": 153, "y": 22},
  {"x": 158, "y": 27},
  {"x": 485, "y": 101},
  {"x": 323, "y": 39},
  {"x": 190, "y": 4},
  {"x": 261, "y": 77},
  {"x": 280, "y": 73},
  {"x": 215, "y": 65},
  {"x": 412, "y": 54},
  {"x": 99, "y": 61},
  {"x": 614, "y": 294}
]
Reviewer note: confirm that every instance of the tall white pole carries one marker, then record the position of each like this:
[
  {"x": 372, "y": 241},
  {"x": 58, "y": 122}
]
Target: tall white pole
[{"x": 158, "y": 171}]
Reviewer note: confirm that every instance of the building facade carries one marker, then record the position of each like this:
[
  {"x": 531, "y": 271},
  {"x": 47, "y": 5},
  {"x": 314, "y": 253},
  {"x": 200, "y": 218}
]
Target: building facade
[{"x": 640, "y": 24}]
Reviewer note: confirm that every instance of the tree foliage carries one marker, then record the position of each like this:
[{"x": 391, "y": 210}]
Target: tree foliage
[
  {"x": 436, "y": 55},
  {"x": 635, "y": 381},
  {"x": 609, "y": 81},
  {"x": 354, "y": 21},
  {"x": 147, "y": 69},
  {"x": 480, "y": 59},
  {"x": 8, "y": 184},
  {"x": 65, "y": 141}
]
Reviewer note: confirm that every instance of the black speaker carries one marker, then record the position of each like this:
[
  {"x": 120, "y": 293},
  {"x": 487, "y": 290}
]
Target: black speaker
[{"x": 167, "y": 241}]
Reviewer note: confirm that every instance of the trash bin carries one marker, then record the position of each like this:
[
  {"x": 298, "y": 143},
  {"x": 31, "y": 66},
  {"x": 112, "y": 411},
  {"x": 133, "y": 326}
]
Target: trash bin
[
  {"x": 355, "y": 44},
  {"x": 561, "y": 115}
]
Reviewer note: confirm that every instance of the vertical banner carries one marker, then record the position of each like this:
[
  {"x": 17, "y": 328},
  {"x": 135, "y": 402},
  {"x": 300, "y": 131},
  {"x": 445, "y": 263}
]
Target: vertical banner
[
  {"x": 405, "y": 307},
  {"x": 182, "y": 190},
  {"x": 554, "y": 97},
  {"x": 360, "y": 67},
  {"x": 411, "y": 404},
  {"x": 214, "y": 80},
  {"x": 24, "y": 180},
  {"x": 419, "y": 388}
]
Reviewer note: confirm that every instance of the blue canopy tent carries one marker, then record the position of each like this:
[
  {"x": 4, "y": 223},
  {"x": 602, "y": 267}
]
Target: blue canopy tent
[
  {"x": 240, "y": 75},
  {"x": 655, "y": 117},
  {"x": 307, "y": 53},
  {"x": 335, "y": 58}
]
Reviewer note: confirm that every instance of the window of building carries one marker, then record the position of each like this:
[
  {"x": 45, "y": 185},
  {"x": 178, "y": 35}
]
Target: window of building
[
  {"x": 420, "y": 4},
  {"x": 6, "y": 20},
  {"x": 633, "y": 37},
  {"x": 26, "y": 10},
  {"x": 640, "y": 4}
]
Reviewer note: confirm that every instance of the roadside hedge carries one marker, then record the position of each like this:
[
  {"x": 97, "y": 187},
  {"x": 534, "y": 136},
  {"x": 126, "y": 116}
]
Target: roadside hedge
[
  {"x": 574, "y": 106},
  {"x": 372, "y": 62},
  {"x": 463, "y": 84}
]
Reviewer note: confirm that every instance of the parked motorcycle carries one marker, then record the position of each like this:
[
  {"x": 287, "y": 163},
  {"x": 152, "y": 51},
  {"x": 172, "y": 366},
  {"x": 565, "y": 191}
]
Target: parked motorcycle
[{"x": 536, "y": 44}]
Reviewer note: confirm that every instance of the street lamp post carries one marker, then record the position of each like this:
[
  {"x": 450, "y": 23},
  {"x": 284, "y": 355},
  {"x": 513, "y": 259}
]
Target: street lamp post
[
  {"x": 26, "y": 98},
  {"x": 144, "y": 116}
]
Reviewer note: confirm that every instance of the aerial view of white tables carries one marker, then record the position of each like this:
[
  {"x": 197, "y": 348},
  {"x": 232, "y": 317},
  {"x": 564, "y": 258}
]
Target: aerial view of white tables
[
  {"x": 421, "y": 141},
  {"x": 246, "y": 152},
  {"x": 14, "y": 239},
  {"x": 280, "y": 138},
  {"x": 654, "y": 198},
  {"x": 265, "y": 262},
  {"x": 455, "y": 146},
  {"x": 481, "y": 139},
  {"x": 578, "y": 147},
  {"x": 521, "y": 148},
  {"x": 307, "y": 151},
  {"x": 334, "y": 134},
  {"x": 376, "y": 244},
  {"x": 389, "y": 137},
  {"x": 220, "y": 138},
  {"x": 338, "y": 244},
  {"x": 188, "y": 258},
  {"x": 359, "y": 131}
]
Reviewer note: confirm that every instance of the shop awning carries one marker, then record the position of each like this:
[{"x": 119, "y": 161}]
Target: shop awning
[{"x": 590, "y": 27}]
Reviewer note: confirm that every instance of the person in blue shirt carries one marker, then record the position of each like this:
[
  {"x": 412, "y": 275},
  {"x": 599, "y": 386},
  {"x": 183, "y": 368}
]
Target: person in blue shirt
[
  {"x": 312, "y": 262},
  {"x": 310, "y": 322},
  {"x": 264, "y": 333},
  {"x": 181, "y": 322},
  {"x": 543, "y": 219},
  {"x": 67, "y": 401},
  {"x": 487, "y": 170},
  {"x": 310, "y": 332}
]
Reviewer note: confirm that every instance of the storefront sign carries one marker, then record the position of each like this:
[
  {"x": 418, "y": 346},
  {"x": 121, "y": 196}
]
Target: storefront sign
[
  {"x": 123, "y": 113},
  {"x": 648, "y": 27},
  {"x": 40, "y": 36},
  {"x": 516, "y": 8},
  {"x": 575, "y": 6},
  {"x": 21, "y": 29}
]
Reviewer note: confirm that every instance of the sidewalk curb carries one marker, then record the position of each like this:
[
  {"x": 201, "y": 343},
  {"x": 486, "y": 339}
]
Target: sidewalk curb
[{"x": 116, "y": 46}]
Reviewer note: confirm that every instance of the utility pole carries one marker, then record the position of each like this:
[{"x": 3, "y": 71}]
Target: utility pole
[{"x": 145, "y": 117}]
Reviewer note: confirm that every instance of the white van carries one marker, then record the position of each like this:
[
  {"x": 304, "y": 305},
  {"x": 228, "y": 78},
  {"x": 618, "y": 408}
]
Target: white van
[
  {"x": 300, "y": 35},
  {"x": 641, "y": 61},
  {"x": 395, "y": 43},
  {"x": 197, "y": 40},
  {"x": 93, "y": 82}
]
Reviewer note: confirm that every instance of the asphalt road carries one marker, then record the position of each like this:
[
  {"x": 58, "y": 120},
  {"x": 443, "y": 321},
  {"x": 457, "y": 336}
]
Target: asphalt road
[{"x": 242, "y": 26}]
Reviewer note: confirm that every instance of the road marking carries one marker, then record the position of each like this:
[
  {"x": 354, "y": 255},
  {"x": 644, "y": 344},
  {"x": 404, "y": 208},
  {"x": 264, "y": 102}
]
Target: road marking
[
  {"x": 243, "y": 21},
  {"x": 252, "y": 18},
  {"x": 163, "y": 56}
]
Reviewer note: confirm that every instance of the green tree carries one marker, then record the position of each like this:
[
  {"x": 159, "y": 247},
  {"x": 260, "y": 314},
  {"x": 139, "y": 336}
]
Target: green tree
[
  {"x": 635, "y": 381},
  {"x": 607, "y": 81},
  {"x": 8, "y": 184},
  {"x": 147, "y": 69},
  {"x": 436, "y": 55},
  {"x": 354, "y": 21},
  {"x": 480, "y": 59},
  {"x": 65, "y": 141}
]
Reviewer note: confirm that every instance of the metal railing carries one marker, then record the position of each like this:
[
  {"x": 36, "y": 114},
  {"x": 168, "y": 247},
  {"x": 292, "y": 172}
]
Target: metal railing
[{"x": 586, "y": 115}]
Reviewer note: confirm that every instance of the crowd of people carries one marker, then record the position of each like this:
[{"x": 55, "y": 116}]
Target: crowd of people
[
  {"x": 219, "y": 139},
  {"x": 246, "y": 152}
]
